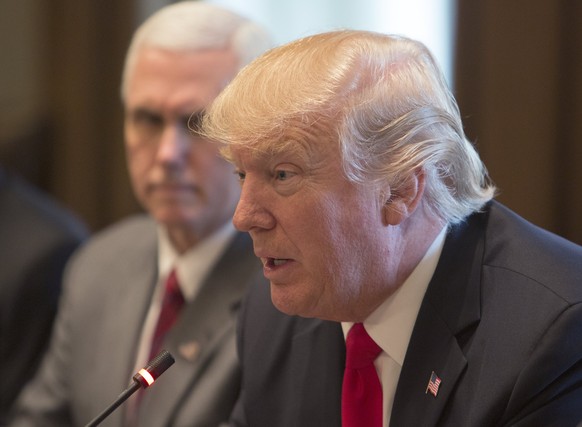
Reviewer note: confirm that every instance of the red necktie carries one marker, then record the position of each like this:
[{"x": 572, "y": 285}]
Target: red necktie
[
  {"x": 362, "y": 391},
  {"x": 171, "y": 305}
]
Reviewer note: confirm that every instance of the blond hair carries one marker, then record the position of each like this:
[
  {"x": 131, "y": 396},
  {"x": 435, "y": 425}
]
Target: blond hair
[{"x": 382, "y": 98}]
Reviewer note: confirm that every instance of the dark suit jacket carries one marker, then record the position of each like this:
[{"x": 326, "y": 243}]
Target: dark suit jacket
[
  {"x": 500, "y": 324},
  {"x": 91, "y": 359},
  {"x": 37, "y": 236}
]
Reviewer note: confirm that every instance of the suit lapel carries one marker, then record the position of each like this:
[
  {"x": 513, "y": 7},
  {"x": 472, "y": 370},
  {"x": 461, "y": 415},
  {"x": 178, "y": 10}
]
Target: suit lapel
[
  {"x": 202, "y": 329},
  {"x": 131, "y": 285},
  {"x": 448, "y": 315},
  {"x": 436, "y": 352}
]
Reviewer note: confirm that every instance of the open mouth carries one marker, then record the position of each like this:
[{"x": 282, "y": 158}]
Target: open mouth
[{"x": 274, "y": 262}]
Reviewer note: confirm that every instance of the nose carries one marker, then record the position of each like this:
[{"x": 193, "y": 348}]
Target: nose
[
  {"x": 173, "y": 145},
  {"x": 252, "y": 211}
]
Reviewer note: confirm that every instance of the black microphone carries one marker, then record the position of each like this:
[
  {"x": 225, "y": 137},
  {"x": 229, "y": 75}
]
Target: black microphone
[{"x": 143, "y": 379}]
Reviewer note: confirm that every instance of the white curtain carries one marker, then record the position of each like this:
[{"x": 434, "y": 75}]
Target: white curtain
[{"x": 430, "y": 21}]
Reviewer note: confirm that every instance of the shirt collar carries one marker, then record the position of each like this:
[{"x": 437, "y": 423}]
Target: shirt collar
[{"x": 193, "y": 266}]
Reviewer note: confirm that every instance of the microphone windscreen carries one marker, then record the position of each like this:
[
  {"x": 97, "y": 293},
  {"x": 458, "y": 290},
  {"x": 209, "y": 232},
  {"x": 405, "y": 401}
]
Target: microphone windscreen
[{"x": 160, "y": 363}]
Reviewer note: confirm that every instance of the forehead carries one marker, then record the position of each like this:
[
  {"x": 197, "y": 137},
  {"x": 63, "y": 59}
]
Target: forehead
[
  {"x": 297, "y": 143},
  {"x": 188, "y": 79}
]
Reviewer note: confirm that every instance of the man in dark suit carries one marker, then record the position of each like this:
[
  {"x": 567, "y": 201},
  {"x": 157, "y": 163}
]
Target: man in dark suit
[
  {"x": 178, "y": 61},
  {"x": 37, "y": 236},
  {"x": 411, "y": 298}
]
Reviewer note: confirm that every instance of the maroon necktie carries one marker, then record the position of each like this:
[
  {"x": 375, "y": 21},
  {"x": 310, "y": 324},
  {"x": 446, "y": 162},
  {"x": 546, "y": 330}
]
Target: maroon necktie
[
  {"x": 171, "y": 305},
  {"x": 361, "y": 391}
]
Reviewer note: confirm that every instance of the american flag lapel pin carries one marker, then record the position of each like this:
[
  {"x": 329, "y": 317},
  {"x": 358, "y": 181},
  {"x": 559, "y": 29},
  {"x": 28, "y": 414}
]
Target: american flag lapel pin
[{"x": 433, "y": 384}]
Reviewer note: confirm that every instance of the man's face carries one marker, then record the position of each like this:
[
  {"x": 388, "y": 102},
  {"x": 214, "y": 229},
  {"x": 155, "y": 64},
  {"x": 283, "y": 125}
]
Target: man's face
[
  {"x": 320, "y": 237},
  {"x": 178, "y": 177}
]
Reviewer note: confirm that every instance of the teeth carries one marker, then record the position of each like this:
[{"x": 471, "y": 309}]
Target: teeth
[{"x": 279, "y": 261}]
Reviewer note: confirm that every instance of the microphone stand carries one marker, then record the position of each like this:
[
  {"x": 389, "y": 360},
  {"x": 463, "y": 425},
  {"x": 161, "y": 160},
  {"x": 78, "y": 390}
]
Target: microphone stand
[
  {"x": 143, "y": 379},
  {"x": 135, "y": 386}
]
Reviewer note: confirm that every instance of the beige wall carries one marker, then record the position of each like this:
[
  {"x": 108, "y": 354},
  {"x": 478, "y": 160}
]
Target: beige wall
[
  {"x": 23, "y": 67},
  {"x": 518, "y": 81},
  {"x": 61, "y": 123}
]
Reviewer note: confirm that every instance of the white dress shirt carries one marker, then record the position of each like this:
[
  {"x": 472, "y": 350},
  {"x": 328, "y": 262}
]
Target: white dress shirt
[
  {"x": 391, "y": 324},
  {"x": 191, "y": 269}
]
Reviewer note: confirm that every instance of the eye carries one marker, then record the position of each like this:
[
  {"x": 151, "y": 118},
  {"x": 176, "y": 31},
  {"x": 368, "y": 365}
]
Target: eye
[
  {"x": 240, "y": 176},
  {"x": 145, "y": 118},
  {"x": 146, "y": 124},
  {"x": 283, "y": 175}
]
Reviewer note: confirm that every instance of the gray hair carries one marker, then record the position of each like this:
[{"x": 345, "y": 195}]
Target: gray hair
[
  {"x": 382, "y": 98},
  {"x": 192, "y": 26}
]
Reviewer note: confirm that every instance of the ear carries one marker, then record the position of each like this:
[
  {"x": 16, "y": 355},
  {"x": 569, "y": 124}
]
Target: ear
[{"x": 404, "y": 200}]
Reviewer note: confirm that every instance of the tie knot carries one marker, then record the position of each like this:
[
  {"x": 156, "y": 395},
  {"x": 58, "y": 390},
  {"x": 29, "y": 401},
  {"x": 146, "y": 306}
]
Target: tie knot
[
  {"x": 361, "y": 350},
  {"x": 172, "y": 303}
]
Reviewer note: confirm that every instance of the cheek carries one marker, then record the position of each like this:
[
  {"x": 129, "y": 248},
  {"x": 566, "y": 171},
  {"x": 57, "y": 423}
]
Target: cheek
[
  {"x": 139, "y": 161},
  {"x": 226, "y": 193},
  {"x": 215, "y": 172},
  {"x": 342, "y": 266},
  {"x": 328, "y": 240},
  {"x": 350, "y": 236}
]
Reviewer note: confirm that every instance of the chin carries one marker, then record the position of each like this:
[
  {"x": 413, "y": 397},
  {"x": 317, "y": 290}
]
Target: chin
[
  {"x": 290, "y": 304},
  {"x": 282, "y": 301},
  {"x": 172, "y": 217}
]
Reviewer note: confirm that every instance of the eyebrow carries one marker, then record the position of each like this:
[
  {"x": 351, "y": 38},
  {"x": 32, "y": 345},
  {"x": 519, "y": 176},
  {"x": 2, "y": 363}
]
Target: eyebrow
[{"x": 142, "y": 110}]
